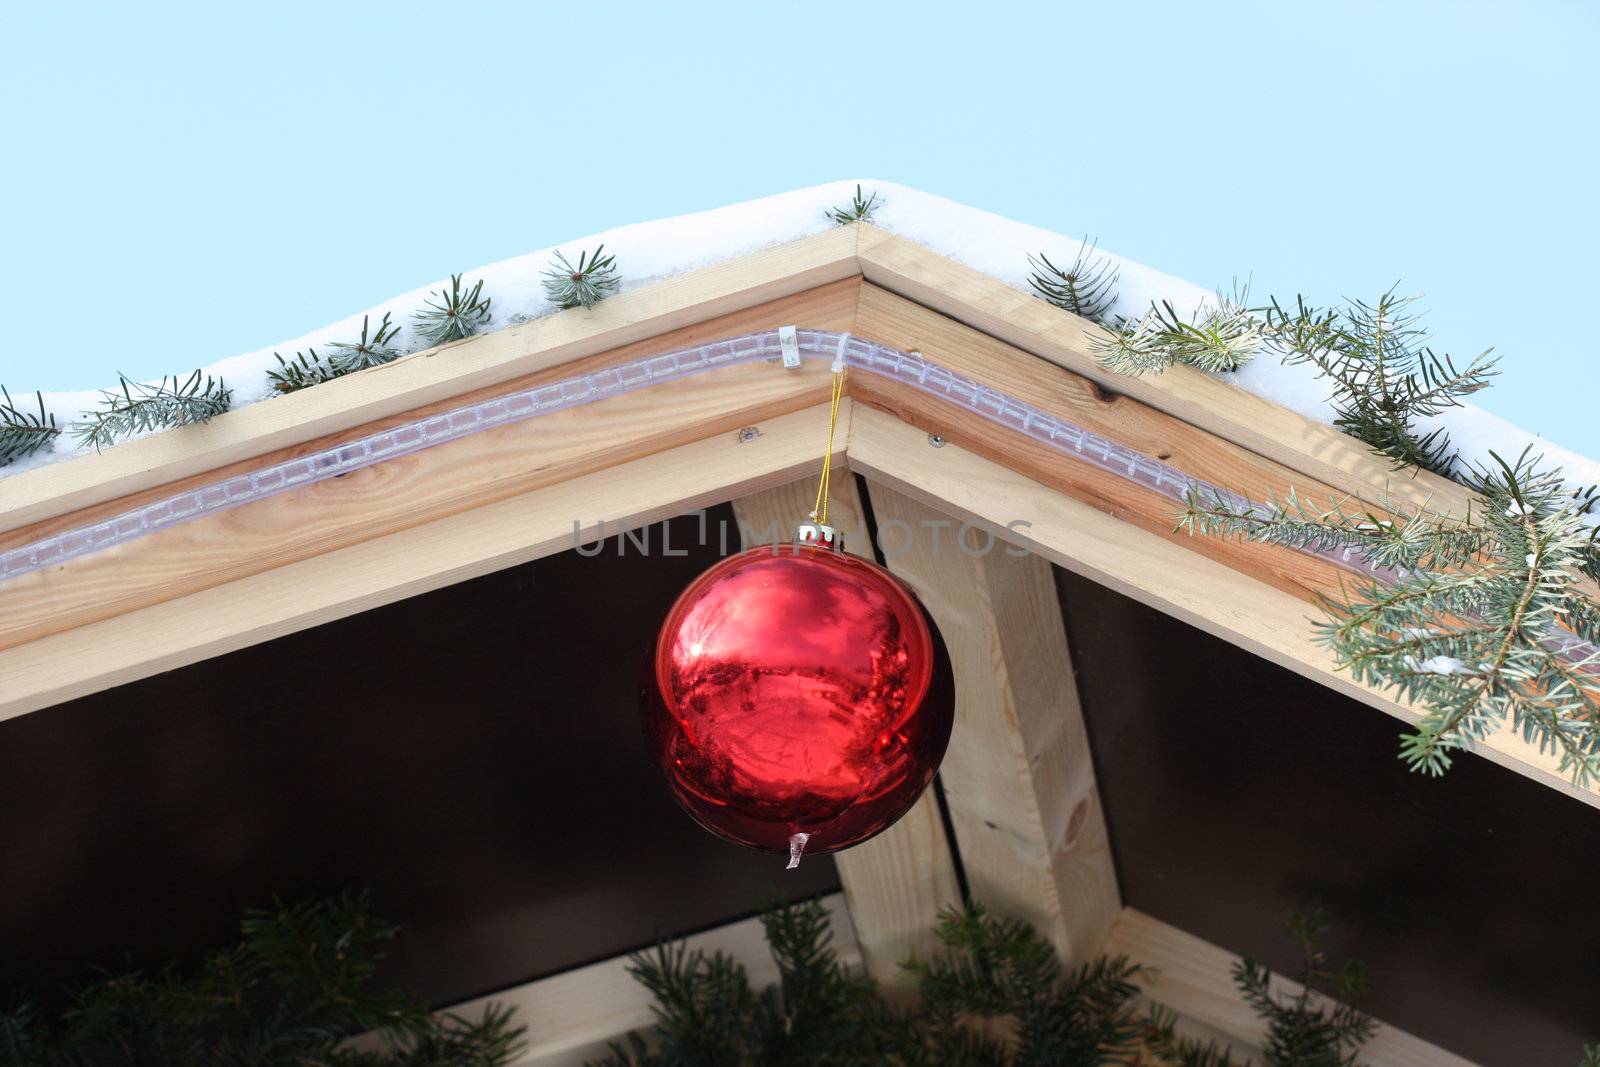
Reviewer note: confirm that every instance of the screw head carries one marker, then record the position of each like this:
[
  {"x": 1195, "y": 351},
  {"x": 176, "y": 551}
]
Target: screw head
[
  {"x": 748, "y": 433},
  {"x": 935, "y": 440}
]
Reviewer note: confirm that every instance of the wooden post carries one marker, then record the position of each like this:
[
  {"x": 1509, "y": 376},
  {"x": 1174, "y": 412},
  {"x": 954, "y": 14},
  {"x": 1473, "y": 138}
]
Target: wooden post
[
  {"x": 1018, "y": 778},
  {"x": 896, "y": 883}
]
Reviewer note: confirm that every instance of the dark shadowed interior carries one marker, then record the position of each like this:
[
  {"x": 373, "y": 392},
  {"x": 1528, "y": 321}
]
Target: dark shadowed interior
[
  {"x": 473, "y": 754},
  {"x": 1237, "y": 790}
]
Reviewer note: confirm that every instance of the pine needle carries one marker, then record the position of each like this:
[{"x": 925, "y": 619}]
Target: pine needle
[
  {"x": 373, "y": 351},
  {"x": 1085, "y": 288},
  {"x": 858, "y": 210},
  {"x": 1222, "y": 336},
  {"x": 592, "y": 280},
  {"x": 454, "y": 314},
  {"x": 1481, "y": 622},
  {"x": 136, "y": 408},
  {"x": 22, "y": 433},
  {"x": 303, "y": 371}
]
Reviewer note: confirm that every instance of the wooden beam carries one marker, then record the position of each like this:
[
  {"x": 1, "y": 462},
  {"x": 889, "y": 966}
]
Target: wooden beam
[
  {"x": 893, "y": 320},
  {"x": 299, "y": 595},
  {"x": 897, "y": 883},
  {"x": 571, "y": 1016},
  {"x": 418, "y": 488},
  {"x": 1214, "y": 405},
  {"x": 1207, "y": 594},
  {"x": 1018, "y": 778},
  {"x": 427, "y": 377},
  {"x": 1191, "y": 976}
]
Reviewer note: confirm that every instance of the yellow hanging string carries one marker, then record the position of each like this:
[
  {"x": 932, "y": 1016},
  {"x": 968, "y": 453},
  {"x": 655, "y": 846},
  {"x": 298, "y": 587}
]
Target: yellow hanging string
[{"x": 819, "y": 511}]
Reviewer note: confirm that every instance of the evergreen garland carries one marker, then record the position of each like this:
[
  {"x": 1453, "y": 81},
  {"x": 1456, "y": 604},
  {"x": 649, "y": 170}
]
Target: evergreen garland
[
  {"x": 1475, "y": 621},
  {"x": 22, "y": 433},
  {"x": 302, "y": 372},
  {"x": 1222, "y": 336},
  {"x": 1384, "y": 376},
  {"x": 858, "y": 210},
  {"x": 136, "y": 407},
  {"x": 456, "y": 315},
  {"x": 291, "y": 992},
  {"x": 1086, "y": 288},
  {"x": 592, "y": 280},
  {"x": 996, "y": 997},
  {"x": 373, "y": 351}
]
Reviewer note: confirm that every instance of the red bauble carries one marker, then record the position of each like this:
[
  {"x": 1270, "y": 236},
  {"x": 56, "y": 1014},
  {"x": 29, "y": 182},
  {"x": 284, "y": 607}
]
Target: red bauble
[{"x": 797, "y": 691}]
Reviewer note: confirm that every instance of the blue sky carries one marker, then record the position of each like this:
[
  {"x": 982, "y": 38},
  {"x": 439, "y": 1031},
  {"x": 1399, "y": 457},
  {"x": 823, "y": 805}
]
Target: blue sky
[{"x": 185, "y": 182}]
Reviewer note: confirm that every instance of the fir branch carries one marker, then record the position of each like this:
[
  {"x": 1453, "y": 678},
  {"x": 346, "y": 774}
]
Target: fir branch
[
  {"x": 1222, "y": 336},
  {"x": 1085, "y": 288},
  {"x": 22, "y": 433},
  {"x": 858, "y": 210},
  {"x": 373, "y": 351},
  {"x": 302, "y": 372},
  {"x": 137, "y": 407},
  {"x": 293, "y": 989},
  {"x": 1591, "y": 1056},
  {"x": 1384, "y": 376},
  {"x": 1474, "y": 625},
  {"x": 456, "y": 314},
  {"x": 592, "y": 280},
  {"x": 1301, "y": 1028}
]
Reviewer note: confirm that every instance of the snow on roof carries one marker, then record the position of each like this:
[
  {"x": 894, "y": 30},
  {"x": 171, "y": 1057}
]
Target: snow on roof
[{"x": 999, "y": 247}]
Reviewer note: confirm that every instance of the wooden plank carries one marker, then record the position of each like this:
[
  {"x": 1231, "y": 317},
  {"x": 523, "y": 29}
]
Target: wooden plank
[
  {"x": 897, "y": 883},
  {"x": 1018, "y": 778},
  {"x": 571, "y": 1016},
  {"x": 418, "y": 488},
  {"x": 893, "y": 320},
  {"x": 1202, "y": 400},
  {"x": 340, "y": 583},
  {"x": 1193, "y": 979},
  {"x": 427, "y": 377},
  {"x": 1167, "y": 576}
]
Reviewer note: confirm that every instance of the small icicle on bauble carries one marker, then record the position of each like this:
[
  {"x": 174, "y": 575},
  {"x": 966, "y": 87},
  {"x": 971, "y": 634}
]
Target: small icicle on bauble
[{"x": 798, "y": 699}]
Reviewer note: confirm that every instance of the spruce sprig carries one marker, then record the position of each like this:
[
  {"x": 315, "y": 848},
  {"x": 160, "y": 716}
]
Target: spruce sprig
[
  {"x": 1302, "y": 1029},
  {"x": 592, "y": 280},
  {"x": 1086, "y": 288},
  {"x": 22, "y": 433},
  {"x": 135, "y": 407},
  {"x": 1384, "y": 375},
  {"x": 1482, "y": 620},
  {"x": 996, "y": 968},
  {"x": 302, "y": 371},
  {"x": 858, "y": 210},
  {"x": 297, "y": 984},
  {"x": 370, "y": 351},
  {"x": 454, "y": 314},
  {"x": 1222, "y": 336}
]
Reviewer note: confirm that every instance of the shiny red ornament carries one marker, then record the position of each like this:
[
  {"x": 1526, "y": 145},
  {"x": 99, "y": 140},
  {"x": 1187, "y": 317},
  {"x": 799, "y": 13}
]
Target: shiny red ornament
[{"x": 798, "y": 699}]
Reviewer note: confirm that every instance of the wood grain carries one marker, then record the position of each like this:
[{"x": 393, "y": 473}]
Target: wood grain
[
  {"x": 427, "y": 485},
  {"x": 894, "y": 320},
  {"x": 1210, "y": 403},
  {"x": 897, "y": 883},
  {"x": 1018, "y": 778},
  {"x": 1151, "y": 569},
  {"x": 343, "y": 582},
  {"x": 449, "y": 370}
]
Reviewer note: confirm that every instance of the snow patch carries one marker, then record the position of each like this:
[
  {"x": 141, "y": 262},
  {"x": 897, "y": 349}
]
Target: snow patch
[{"x": 651, "y": 251}]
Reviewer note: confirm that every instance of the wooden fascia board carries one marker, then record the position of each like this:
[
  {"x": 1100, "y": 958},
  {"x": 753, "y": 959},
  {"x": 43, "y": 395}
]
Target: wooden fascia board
[
  {"x": 1231, "y": 413},
  {"x": 1166, "y": 575},
  {"x": 428, "y": 377},
  {"x": 248, "y": 611}
]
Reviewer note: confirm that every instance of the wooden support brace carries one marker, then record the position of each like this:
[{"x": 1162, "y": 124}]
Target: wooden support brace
[
  {"x": 897, "y": 883},
  {"x": 1018, "y": 777}
]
